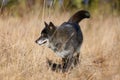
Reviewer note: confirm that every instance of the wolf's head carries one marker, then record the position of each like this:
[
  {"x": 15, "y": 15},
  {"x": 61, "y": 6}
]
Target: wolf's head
[{"x": 46, "y": 33}]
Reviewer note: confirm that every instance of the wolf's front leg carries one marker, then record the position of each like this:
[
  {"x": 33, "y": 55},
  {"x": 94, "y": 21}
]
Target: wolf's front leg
[
  {"x": 67, "y": 62},
  {"x": 54, "y": 66}
]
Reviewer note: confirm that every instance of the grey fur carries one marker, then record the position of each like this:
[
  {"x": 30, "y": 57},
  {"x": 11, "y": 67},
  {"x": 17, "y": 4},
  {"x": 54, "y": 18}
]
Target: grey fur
[{"x": 65, "y": 40}]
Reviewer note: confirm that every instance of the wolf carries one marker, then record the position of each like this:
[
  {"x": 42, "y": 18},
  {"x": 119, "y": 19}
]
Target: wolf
[{"x": 65, "y": 40}]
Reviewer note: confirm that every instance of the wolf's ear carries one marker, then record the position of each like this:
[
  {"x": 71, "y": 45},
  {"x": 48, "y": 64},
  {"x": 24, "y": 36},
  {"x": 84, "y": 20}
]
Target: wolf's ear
[
  {"x": 51, "y": 25},
  {"x": 46, "y": 25}
]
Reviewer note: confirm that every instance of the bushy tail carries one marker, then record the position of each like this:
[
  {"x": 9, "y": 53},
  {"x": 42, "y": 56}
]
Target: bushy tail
[{"x": 78, "y": 16}]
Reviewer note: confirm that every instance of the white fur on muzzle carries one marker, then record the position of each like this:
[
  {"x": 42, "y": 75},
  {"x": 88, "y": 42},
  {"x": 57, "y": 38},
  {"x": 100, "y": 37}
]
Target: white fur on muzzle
[{"x": 40, "y": 42}]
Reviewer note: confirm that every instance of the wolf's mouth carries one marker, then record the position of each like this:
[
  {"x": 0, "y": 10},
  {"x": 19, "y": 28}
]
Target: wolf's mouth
[
  {"x": 44, "y": 42},
  {"x": 40, "y": 42}
]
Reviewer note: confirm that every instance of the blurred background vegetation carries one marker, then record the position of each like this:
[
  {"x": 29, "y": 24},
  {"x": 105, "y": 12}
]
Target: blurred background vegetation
[{"x": 22, "y": 7}]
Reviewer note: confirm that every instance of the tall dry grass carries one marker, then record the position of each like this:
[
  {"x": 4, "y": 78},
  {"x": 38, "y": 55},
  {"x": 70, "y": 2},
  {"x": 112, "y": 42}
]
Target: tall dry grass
[{"x": 22, "y": 59}]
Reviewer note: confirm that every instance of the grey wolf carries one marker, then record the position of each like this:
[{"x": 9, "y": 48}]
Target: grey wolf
[{"x": 65, "y": 40}]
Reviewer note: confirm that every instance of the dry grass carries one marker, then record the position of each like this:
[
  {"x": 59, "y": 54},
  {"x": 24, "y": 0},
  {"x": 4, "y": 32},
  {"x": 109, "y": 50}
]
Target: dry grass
[{"x": 22, "y": 59}]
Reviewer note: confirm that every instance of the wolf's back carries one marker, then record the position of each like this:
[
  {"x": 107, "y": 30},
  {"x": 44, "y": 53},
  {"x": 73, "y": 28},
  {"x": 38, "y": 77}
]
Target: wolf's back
[{"x": 78, "y": 16}]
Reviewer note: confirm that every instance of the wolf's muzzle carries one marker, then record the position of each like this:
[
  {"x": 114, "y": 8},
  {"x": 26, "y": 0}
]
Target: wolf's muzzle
[{"x": 41, "y": 41}]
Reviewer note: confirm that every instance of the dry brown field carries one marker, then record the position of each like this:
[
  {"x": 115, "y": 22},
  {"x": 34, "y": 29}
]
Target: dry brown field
[{"x": 22, "y": 59}]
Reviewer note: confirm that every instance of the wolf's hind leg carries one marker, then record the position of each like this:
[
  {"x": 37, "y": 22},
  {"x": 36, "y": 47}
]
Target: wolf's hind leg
[
  {"x": 76, "y": 59},
  {"x": 67, "y": 62}
]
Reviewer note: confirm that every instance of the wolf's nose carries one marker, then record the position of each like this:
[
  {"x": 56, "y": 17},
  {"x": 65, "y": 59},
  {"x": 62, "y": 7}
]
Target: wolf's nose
[{"x": 36, "y": 41}]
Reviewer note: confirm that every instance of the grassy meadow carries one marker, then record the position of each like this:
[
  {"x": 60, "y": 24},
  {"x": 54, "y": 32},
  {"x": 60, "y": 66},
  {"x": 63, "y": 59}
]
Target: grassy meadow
[{"x": 22, "y": 59}]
